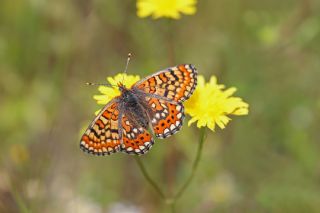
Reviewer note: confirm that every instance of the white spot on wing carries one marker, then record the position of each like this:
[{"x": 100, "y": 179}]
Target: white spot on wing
[
  {"x": 137, "y": 150},
  {"x": 141, "y": 147},
  {"x": 172, "y": 127},
  {"x": 146, "y": 143}
]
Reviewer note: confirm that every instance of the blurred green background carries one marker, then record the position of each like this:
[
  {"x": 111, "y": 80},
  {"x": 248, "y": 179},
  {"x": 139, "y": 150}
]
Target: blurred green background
[{"x": 264, "y": 162}]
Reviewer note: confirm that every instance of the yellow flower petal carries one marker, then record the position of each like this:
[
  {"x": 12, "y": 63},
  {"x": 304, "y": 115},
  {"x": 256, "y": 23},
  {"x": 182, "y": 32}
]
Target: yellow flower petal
[
  {"x": 192, "y": 120},
  {"x": 102, "y": 99},
  {"x": 201, "y": 123},
  {"x": 213, "y": 80},
  {"x": 230, "y": 91},
  {"x": 201, "y": 81},
  {"x": 165, "y": 8},
  {"x": 112, "y": 81},
  {"x": 211, "y": 125},
  {"x": 211, "y": 104},
  {"x": 189, "y": 10},
  {"x": 144, "y": 9},
  {"x": 105, "y": 90}
]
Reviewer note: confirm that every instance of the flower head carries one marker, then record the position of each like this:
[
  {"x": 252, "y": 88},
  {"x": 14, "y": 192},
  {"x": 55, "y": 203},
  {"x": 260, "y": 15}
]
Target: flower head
[
  {"x": 110, "y": 92},
  {"x": 211, "y": 104},
  {"x": 165, "y": 8}
]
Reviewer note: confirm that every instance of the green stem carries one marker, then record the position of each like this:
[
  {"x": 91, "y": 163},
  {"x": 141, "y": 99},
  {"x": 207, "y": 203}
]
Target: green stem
[
  {"x": 194, "y": 167},
  {"x": 148, "y": 178},
  {"x": 172, "y": 201}
]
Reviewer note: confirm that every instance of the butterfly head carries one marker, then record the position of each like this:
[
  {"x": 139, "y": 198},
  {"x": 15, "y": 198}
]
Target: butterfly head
[
  {"x": 125, "y": 92},
  {"x": 121, "y": 87}
]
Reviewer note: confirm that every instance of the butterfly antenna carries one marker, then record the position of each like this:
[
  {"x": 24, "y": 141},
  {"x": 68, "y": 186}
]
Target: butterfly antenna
[
  {"x": 100, "y": 84},
  {"x": 127, "y": 64},
  {"x": 128, "y": 60}
]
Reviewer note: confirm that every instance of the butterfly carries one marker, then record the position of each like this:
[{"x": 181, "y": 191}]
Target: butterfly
[{"x": 153, "y": 103}]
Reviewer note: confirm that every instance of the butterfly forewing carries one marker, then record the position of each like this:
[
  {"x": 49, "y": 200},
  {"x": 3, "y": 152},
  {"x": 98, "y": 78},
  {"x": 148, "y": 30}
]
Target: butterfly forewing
[
  {"x": 102, "y": 136},
  {"x": 175, "y": 83}
]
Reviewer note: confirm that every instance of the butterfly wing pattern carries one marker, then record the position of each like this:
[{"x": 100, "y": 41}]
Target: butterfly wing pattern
[
  {"x": 168, "y": 117},
  {"x": 113, "y": 131},
  {"x": 174, "y": 83},
  {"x": 167, "y": 90},
  {"x": 105, "y": 136},
  {"x": 102, "y": 136},
  {"x": 136, "y": 140}
]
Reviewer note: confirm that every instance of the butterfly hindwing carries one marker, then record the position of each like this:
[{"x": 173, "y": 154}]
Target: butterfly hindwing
[
  {"x": 136, "y": 139},
  {"x": 167, "y": 117},
  {"x": 175, "y": 83}
]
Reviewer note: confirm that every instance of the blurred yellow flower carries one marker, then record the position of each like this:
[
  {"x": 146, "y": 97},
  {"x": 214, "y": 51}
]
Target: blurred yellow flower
[
  {"x": 110, "y": 92},
  {"x": 211, "y": 105},
  {"x": 19, "y": 153},
  {"x": 165, "y": 8}
]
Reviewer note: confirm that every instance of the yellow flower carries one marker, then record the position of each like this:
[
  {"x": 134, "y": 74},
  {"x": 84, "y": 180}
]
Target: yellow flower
[
  {"x": 165, "y": 8},
  {"x": 110, "y": 92},
  {"x": 211, "y": 105},
  {"x": 19, "y": 153}
]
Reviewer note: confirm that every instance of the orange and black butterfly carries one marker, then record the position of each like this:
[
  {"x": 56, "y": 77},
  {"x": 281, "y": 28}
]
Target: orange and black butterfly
[{"x": 153, "y": 103}]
